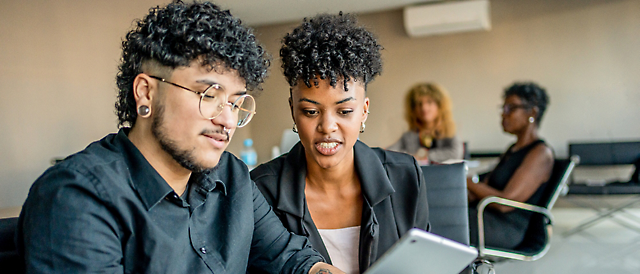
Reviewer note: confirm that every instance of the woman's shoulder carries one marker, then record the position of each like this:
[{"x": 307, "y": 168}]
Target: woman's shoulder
[
  {"x": 267, "y": 175},
  {"x": 541, "y": 149}
]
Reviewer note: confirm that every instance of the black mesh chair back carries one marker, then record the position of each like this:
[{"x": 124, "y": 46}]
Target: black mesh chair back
[
  {"x": 533, "y": 242},
  {"x": 447, "y": 199}
]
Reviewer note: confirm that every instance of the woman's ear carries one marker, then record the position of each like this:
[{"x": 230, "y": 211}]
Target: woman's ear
[
  {"x": 365, "y": 112},
  {"x": 534, "y": 112}
]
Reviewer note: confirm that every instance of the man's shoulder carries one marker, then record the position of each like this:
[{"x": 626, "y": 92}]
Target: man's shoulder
[{"x": 87, "y": 167}]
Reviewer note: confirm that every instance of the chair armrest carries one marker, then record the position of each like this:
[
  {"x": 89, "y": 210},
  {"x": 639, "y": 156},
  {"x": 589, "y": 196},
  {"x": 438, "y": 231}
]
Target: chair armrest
[{"x": 506, "y": 202}]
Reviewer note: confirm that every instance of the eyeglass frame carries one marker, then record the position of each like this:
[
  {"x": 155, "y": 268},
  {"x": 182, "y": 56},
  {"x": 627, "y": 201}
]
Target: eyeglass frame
[
  {"x": 510, "y": 108},
  {"x": 202, "y": 94}
]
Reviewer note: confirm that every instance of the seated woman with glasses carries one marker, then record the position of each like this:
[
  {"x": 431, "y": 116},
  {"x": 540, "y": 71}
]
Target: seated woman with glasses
[
  {"x": 521, "y": 173},
  {"x": 353, "y": 202},
  {"x": 431, "y": 136}
]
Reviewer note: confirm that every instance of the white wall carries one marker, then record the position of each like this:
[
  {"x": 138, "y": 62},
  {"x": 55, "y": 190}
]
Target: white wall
[
  {"x": 585, "y": 52},
  {"x": 58, "y": 61}
]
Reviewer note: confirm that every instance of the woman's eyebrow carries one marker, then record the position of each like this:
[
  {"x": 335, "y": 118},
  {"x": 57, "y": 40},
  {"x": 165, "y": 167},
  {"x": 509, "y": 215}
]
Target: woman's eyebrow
[
  {"x": 308, "y": 100},
  {"x": 337, "y": 103},
  {"x": 345, "y": 100}
]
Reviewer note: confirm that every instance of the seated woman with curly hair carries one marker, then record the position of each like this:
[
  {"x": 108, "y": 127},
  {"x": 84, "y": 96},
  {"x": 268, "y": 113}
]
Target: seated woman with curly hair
[
  {"x": 353, "y": 202},
  {"x": 431, "y": 136},
  {"x": 522, "y": 172}
]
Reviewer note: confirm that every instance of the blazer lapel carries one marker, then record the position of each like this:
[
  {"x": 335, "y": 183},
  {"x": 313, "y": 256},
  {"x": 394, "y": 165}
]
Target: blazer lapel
[{"x": 291, "y": 199}]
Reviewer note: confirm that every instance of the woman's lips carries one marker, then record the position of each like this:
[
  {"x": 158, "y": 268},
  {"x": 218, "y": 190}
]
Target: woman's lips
[{"x": 327, "y": 148}]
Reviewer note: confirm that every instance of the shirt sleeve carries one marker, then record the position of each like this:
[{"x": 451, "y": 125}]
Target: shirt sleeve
[
  {"x": 65, "y": 227},
  {"x": 273, "y": 248},
  {"x": 448, "y": 149}
]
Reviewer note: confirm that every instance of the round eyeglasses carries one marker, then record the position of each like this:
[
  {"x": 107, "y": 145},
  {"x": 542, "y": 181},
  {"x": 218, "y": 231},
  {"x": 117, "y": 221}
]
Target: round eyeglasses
[{"x": 213, "y": 100}]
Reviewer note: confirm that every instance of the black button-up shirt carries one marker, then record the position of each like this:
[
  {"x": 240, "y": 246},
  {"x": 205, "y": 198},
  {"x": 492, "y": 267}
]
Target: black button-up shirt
[{"x": 105, "y": 209}]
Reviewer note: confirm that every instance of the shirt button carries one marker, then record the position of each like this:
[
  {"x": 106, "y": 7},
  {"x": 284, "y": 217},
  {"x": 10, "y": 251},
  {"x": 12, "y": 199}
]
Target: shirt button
[
  {"x": 175, "y": 196},
  {"x": 203, "y": 250}
]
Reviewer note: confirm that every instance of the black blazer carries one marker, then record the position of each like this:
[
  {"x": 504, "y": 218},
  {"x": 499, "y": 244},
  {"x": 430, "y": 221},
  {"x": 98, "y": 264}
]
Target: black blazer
[{"x": 395, "y": 198}]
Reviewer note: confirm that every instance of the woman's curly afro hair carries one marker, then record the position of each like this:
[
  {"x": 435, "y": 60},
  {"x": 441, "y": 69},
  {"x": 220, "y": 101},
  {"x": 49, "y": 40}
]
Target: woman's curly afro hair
[
  {"x": 531, "y": 94},
  {"x": 180, "y": 33},
  {"x": 333, "y": 47}
]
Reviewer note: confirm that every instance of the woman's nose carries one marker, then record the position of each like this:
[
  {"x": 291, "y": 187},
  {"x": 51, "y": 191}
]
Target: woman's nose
[{"x": 327, "y": 124}]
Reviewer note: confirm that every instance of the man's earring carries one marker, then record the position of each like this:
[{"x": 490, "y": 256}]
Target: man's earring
[
  {"x": 295, "y": 128},
  {"x": 531, "y": 120},
  {"x": 362, "y": 127},
  {"x": 144, "y": 111}
]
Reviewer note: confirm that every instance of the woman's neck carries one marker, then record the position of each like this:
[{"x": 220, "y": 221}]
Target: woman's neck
[
  {"x": 331, "y": 179},
  {"x": 526, "y": 137},
  {"x": 427, "y": 126}
]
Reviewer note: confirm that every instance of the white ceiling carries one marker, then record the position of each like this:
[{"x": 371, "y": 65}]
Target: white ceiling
[{"x": 266, "y": 12}]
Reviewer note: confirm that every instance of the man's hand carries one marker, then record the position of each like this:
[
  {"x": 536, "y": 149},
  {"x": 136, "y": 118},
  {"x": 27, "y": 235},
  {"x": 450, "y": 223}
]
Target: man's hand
[{"x": 324, "y": 268}]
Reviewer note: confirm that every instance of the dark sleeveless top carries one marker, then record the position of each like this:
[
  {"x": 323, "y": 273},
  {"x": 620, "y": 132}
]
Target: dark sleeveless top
[{"x": 508, "y": 165}]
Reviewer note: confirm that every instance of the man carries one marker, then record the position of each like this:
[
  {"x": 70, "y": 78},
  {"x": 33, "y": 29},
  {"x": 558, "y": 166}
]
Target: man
[{"x": 162, "y": 195}]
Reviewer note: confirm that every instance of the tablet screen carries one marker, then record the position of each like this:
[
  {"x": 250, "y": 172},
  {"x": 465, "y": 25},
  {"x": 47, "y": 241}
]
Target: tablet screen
[{"x": 419, "y": 251}]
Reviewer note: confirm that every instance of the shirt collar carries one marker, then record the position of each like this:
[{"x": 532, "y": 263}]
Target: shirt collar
[
  {"x": 374, "y": 180},
  {"x": 147, "y": 182}
]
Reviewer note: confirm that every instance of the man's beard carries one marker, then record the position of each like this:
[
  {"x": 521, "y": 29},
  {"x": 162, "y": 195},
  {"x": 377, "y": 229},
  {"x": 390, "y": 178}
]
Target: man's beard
[{"x": 184, "y": 157}]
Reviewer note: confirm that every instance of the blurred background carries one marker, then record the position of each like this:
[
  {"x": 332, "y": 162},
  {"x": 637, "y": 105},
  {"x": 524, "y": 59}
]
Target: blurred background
[{"x": 58, "y": 61}]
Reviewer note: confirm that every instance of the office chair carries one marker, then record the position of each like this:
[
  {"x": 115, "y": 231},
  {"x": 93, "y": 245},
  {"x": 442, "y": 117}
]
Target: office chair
[
  {"x": 10, "y": 261},
  {"x": 447, "y": 199},
  {"x": 532, "y": 247}
]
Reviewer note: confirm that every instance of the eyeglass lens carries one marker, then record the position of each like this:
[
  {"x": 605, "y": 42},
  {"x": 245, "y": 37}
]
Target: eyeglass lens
[
  {"x": 508, "y": 108},
  {"x": 213, "y": 102}
]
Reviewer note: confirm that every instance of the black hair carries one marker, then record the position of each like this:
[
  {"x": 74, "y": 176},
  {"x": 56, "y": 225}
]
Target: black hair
[
  {"x": 176, "y": 35},
  {"x": 531, "y": 94},
  {"x": 333, "y": 47}
]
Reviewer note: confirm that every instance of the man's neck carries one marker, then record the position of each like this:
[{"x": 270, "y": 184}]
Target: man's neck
[{"x": 171, "y": 171}]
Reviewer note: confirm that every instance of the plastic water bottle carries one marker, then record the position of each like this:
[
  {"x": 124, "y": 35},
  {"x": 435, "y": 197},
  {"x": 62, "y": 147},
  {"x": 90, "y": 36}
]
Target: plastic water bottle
[{"x": 248, "y": 154}]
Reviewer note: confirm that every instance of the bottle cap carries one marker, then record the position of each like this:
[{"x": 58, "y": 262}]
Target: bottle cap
[{"x": 248, "y": 142}]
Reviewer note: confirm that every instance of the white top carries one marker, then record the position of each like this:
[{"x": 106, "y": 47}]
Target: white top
[{"x": 342, "y": 245}]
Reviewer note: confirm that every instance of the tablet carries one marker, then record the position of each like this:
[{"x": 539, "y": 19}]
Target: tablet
[{"x": 419, "y": 251}]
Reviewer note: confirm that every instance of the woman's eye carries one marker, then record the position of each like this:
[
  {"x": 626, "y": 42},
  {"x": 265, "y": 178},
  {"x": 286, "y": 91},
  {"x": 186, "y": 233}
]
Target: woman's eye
[
  {"x": 310, "y": 112},
  {"x": 345, "y": 112}
]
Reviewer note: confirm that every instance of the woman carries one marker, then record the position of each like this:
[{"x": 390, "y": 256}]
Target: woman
[
  {"x": 352, "y": 201},
  {"x": 431, "y": 135},
  {"x": 521, "y": 173}
]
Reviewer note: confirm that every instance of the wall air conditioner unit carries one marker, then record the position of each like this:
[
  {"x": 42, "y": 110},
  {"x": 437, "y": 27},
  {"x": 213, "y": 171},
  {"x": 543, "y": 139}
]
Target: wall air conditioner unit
[{"x": 447, "y": 17}]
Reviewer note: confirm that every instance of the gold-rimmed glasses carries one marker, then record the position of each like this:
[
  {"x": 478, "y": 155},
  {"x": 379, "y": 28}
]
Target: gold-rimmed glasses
[{"x": 213, "y": 100}]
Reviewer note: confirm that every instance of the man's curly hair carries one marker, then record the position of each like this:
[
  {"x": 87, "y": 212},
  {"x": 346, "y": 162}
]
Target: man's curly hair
[
  {"x": 332, "y": 47},
  {"x": 180, "y": 33}
]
